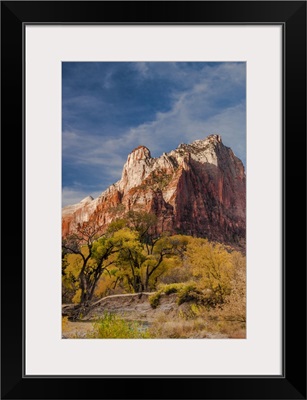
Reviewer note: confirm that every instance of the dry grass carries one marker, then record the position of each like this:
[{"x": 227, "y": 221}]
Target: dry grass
[
  {"x": 196, "y": 322},
  {"x": 76, "y": 330}
]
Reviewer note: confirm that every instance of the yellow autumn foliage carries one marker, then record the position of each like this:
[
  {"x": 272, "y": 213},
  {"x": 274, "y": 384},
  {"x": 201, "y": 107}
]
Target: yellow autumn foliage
[{"x": 211, "y": 266}]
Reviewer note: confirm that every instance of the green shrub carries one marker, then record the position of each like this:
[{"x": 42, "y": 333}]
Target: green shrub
[
  {"x": 185, "y": 292},
  {"x": 172, "y": 288},
  {"x": 189, "y": 293},
  {"x": 111, "y": 326},
  {"x": 154, "y": 299}
]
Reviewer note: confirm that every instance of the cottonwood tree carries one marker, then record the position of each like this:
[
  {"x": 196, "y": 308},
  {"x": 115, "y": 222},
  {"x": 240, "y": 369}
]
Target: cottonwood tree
[
  {"x": 139, "y": 257},
  {"x": 93, "y": 250},
  {"x": 144, "y": 223},
  {"x": 141, "y": 264},
  {"x": 212, "y": 267}
]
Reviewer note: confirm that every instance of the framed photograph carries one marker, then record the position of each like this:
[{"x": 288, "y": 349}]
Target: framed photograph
[{"x": 163, "y": 149}]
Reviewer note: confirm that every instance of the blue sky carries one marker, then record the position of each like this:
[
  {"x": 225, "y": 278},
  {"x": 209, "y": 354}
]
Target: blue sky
[{"x": 109, "y": 108}]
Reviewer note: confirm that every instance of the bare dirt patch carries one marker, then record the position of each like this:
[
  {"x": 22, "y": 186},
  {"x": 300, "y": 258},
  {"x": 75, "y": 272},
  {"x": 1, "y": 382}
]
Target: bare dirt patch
[{"x": 132, "y": 307}]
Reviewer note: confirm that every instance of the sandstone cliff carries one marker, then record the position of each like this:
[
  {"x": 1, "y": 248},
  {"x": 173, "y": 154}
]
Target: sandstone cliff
[{"x": 197, "y": 189}]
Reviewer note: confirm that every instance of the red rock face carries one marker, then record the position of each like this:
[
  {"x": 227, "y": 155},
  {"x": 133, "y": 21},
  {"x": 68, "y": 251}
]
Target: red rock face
[{"x": 197, "y": 189}]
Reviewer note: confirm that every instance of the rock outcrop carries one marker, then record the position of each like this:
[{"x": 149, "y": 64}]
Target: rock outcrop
[{"x": 197, "y": 189}]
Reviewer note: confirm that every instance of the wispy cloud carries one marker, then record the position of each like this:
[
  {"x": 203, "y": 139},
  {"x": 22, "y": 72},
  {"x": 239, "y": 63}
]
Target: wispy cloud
[{"x": 142, "y": 68}]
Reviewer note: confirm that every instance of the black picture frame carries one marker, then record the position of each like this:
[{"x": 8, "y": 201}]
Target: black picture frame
[{"x": 292, "y": 383}]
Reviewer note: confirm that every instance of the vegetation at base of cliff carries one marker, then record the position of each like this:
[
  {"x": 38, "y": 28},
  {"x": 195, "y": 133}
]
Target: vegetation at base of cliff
[
  {"x": 127, "y": 258},
  {"x": 206, "y": 279}
]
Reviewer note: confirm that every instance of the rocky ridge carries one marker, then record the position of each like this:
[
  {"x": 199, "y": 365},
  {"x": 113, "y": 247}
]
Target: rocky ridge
[{"x": 197, "y": 189}]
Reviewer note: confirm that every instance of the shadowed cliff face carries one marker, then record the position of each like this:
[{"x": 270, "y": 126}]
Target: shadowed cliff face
[{"x": 197, "y": 189}]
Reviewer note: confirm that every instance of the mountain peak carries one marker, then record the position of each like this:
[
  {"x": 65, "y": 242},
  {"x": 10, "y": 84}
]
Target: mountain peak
[
  {"x": 205, "y": 150},
  {"x": 209, "y": 140},
  {"x": 87, "y": 199},
  {"x": 214, "y": 138},
  {"x": 134, "y": 171},
  {"x": 140, "y": 152},
  {"x": 197, "y": 189}
]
